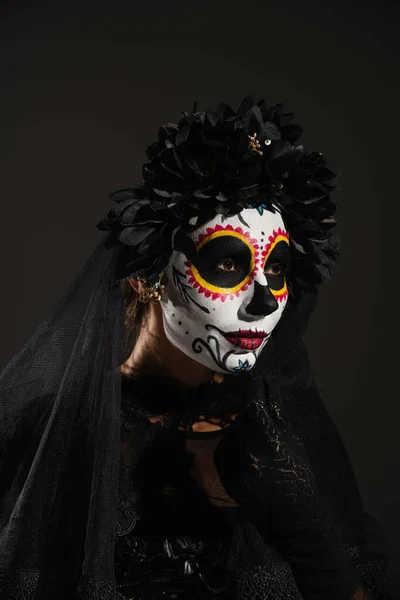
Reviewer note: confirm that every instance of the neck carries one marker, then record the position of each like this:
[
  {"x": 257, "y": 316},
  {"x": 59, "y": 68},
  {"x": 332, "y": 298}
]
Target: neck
[{"x": 154, "y": 354}]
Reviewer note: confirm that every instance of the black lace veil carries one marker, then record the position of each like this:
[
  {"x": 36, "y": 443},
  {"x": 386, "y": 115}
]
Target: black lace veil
[
  {"x": 60, "y": 419},
  {"x": 59, "y": 443}
]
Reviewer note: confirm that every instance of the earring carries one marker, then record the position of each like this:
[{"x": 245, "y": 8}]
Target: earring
[{"x": 152, "y": 291}]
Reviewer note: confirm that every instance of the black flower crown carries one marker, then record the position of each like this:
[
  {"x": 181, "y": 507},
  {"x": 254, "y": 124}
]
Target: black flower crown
[{"x": 221, "y": 162}]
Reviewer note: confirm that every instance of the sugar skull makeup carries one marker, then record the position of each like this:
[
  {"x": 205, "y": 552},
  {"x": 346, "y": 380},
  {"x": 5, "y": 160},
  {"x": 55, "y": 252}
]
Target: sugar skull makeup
[{"x": 223, "y": 312}]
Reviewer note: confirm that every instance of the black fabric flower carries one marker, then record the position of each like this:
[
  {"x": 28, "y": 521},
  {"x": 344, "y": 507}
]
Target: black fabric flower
[
  {"x": 149, "y": 231},
  {"x": 205, "y": 166}
]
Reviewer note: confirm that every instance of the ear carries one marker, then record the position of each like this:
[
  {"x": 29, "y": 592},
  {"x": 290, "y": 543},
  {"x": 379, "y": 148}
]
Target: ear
[{"x": 135, "y": 283}]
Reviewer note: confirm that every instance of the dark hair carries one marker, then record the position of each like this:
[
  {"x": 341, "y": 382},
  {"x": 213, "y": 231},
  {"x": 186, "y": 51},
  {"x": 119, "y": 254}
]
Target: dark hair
[{"x": 134, "y": 313}]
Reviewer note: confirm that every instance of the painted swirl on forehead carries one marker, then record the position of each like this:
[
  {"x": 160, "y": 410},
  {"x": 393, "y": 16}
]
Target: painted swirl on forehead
[
  {"x": 234, "y": 240},
  {"x": 277, "y": 237}
]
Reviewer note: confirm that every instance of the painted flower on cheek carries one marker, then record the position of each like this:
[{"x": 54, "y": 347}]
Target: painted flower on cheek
[{"x": 242, "y": 366}]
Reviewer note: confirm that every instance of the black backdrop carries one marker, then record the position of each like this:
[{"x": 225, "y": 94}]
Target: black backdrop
[{"x": 85, "y": 86}]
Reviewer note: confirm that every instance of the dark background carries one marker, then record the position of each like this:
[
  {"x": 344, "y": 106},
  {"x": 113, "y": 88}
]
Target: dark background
[{"x": 85, "y": 87}]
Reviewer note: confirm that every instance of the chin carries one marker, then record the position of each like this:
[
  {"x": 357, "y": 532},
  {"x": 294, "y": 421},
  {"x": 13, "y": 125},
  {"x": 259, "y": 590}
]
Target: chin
[{"x": 239, "y": 363}]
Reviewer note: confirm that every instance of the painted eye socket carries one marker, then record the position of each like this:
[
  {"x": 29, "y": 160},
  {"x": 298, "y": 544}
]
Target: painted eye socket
[{"x": 226, "y": 260}]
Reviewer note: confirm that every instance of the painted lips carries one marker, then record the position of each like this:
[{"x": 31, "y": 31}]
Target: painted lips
[{"x": 247, "y": 339}]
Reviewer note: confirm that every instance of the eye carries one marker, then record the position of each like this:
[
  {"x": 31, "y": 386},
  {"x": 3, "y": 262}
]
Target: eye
[
  {"x": 227, "y": 265},
  {"x": 275, "y": 270}
]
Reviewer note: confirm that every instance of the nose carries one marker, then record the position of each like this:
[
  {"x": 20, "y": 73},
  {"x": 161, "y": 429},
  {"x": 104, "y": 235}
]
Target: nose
[{"x": 263, "y": 302}]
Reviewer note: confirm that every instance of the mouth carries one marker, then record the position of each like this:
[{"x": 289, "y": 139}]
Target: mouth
[{"x": 248, "y": 339}]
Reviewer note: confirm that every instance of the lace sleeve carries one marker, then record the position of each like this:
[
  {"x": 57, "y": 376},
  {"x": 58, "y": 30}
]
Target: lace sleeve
[
  {"x": 264, "y": 467},
  {"x": 297, "y": 480},
  {"x": 364, "y": 540},
  {"x": 287, "y": 368}
]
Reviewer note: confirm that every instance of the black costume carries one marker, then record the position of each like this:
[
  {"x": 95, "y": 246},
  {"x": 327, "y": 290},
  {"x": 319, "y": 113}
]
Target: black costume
[{"x": 98, "y": 503}]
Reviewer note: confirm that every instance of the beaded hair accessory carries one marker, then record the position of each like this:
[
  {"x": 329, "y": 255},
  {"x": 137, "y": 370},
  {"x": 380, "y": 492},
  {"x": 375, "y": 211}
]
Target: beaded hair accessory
[{"x": 151, "y": 291}]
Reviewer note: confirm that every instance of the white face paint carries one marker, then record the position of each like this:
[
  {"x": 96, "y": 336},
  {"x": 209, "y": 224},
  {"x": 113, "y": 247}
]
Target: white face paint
[{"x": 223, "y": 313}]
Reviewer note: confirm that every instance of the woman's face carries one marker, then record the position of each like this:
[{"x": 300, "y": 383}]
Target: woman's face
[{"x": 222, "y": 313}]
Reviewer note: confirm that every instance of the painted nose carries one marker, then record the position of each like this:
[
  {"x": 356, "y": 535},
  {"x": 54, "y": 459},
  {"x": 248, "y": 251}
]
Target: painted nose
[{"x": 263, "y": 302}]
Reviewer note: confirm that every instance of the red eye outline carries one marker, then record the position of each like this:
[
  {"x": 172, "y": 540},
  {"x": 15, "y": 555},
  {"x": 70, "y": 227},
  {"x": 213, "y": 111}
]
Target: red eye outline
[{"x": 215, "y": 292}]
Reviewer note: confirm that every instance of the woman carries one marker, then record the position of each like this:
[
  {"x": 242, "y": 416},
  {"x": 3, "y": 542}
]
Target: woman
[{"x": 161, "y": 434}]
